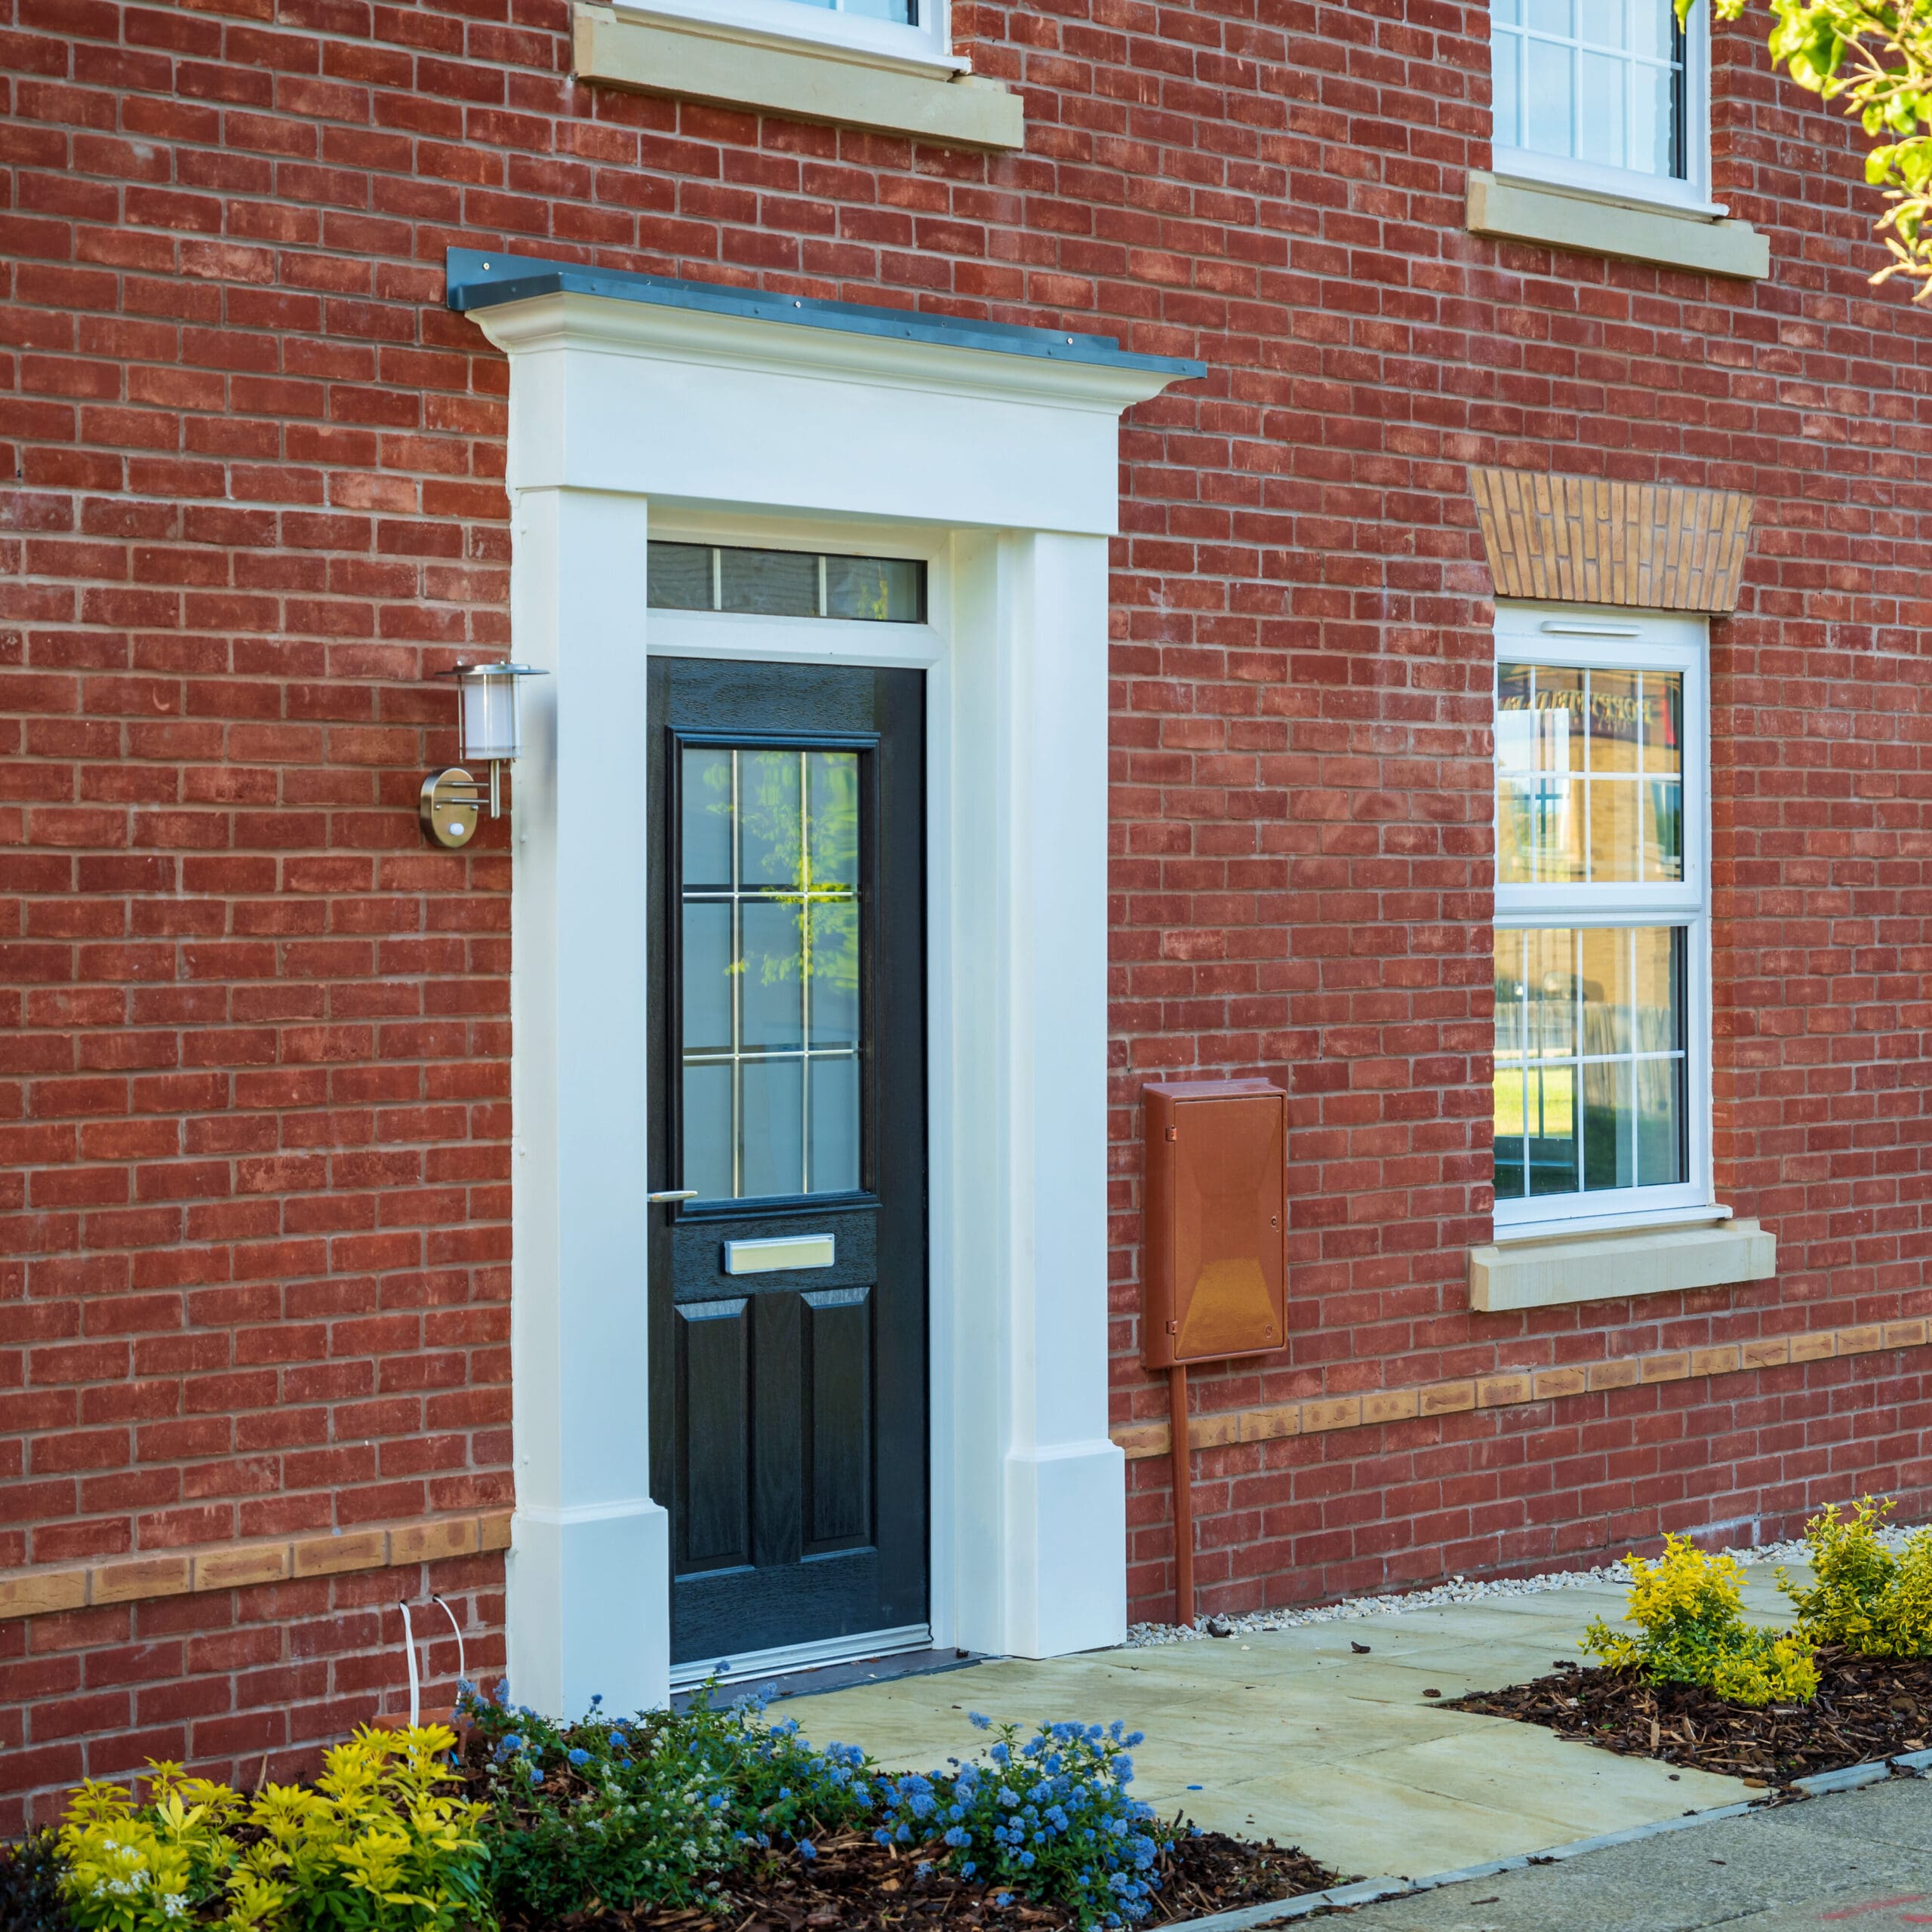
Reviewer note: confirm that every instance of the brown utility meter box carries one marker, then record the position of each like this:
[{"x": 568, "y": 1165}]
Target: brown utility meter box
[{"x": 1216, "y": 1221}]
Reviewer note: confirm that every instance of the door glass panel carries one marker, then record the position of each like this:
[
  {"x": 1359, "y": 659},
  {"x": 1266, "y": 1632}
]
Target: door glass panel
[{"x": 772, "y": 1020}]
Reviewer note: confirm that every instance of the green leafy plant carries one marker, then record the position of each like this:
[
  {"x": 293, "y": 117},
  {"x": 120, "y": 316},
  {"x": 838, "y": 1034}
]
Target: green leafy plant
[
  {"x": 1689, "y": 1611},
  {"x": 378, "y": 1844},
  {"x": 661, "y": 1809},
  {"x": 1876, "y": 56},
  {"x": 1863, "y": 1595}
]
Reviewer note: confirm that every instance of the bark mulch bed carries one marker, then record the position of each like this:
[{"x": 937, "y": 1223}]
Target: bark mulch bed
[
  {"x": 857, "y": 1885},
  {"x": 1867, "y": 1709}
]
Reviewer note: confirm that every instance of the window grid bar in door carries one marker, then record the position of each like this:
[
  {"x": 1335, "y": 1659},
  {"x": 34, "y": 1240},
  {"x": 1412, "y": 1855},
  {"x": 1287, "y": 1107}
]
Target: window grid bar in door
[{"x": 807, "y": 894}]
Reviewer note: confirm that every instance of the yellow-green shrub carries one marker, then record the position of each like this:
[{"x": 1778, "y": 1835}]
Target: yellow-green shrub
[
  {"x": 1868, "y": 1599},
  {"x": 374, "y": 1846},
  {"x": 1689, "y": 1612}
]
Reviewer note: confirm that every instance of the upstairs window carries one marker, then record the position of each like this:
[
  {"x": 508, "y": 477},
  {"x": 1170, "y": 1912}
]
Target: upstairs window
[
  {"x": 1609, "y": 96},
  {"x": 912, "y": 35},
  {"x": 1602, "y": 1029}
]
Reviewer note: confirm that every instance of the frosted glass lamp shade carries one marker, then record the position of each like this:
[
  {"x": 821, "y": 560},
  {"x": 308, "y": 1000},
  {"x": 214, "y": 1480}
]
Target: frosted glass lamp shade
[{"x": 492, "y": 732}]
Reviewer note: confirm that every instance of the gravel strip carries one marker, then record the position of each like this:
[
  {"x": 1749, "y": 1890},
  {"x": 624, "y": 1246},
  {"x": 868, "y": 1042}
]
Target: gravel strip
[{"x": 1458, "y": 1589}]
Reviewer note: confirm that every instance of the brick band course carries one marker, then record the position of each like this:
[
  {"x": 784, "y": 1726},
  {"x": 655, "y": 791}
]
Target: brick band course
[
  {"x": 1511, "y": 1388},
  {"x": 40, "y": 1591}
]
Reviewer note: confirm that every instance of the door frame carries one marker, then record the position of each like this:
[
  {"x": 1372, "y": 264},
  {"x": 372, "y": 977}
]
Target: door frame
[
  {"x": 921, "y": 647},
  {"x": 632, "y": 399}
]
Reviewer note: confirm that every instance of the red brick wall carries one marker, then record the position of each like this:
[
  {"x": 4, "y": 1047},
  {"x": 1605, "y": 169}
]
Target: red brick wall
[{"x": 253, "y": 1087}]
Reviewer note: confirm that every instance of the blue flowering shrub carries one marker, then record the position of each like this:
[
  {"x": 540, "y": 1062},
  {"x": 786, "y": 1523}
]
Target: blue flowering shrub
[
  {"x": 1050, "y": 1817},
  {"x": 664, "y": 1809}
]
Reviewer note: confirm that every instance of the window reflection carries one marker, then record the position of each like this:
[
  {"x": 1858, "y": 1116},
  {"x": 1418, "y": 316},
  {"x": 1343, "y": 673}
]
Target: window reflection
[{"x": 769, "y": 898}]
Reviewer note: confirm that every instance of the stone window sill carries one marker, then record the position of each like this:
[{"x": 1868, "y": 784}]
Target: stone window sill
[
  {"x": 1520, "y": 211},
  {"x": 1559, "y": 1272},
  {"x": 697, "y": 59}
]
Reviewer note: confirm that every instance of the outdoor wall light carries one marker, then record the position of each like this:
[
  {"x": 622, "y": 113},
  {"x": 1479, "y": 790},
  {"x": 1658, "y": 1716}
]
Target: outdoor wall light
[{"x": 451, "y": 801}]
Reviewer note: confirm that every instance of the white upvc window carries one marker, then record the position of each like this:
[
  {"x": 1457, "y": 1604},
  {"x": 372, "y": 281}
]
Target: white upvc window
[
  {"x": 1607, "y": 96},
  {"x": 915, "y": 35},
  {"x": 1603, "y": 1031}
]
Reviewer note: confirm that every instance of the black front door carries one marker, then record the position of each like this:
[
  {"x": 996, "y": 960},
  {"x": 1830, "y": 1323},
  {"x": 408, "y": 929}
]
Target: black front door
[{"x": 788, "y": 1294}]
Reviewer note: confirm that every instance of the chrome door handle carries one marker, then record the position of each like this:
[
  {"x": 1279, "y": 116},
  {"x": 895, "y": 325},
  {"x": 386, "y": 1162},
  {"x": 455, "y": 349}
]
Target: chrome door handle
[{"x": 673, "y": 1193}]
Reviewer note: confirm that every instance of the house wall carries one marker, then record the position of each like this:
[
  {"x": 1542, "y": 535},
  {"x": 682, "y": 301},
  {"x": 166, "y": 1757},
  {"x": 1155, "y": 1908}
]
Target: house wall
[{"x": 253, "y": 1261}]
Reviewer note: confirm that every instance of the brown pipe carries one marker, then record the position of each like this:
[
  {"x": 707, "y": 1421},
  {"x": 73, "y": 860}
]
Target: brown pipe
[{"x": 1183, "y": 1494}]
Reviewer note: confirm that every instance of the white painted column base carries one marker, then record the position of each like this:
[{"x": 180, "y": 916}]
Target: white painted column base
[
  {"x": 1066, "y": 1539},
  {"x": 589, "y": 1589}
]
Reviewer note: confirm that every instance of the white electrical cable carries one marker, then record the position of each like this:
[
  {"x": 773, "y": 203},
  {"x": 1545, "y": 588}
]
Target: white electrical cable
[
  {"x": 462, "y": 1675},
  {"x": 409, "y": 1651}
]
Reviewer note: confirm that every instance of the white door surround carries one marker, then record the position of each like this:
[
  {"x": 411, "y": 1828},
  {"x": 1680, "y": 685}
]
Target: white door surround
[{"x": 637, "y": 405}]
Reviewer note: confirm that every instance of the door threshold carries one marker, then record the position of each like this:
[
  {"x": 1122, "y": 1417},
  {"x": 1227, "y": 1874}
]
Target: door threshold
[{"x": 873, "y": 1665}]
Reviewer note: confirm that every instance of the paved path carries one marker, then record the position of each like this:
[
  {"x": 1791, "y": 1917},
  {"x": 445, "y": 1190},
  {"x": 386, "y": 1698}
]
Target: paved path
[
  {"x": 1861, "y": 1860},
  {"x": 1295, "y": 1735}
]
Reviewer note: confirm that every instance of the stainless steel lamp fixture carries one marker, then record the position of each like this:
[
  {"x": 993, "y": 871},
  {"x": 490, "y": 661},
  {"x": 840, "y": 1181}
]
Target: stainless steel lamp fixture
[{"x": 451, "y": 801}]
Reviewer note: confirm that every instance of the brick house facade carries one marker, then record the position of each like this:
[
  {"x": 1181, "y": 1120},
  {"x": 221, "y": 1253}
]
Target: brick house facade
[{"x": 255, "y": 1338}]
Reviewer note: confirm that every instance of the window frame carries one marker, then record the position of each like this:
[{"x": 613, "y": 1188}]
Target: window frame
[
  {"x": 1592, "y": 638},
  {"x": 926, "y": 48},
  {"x": 1690, "y": 195}
]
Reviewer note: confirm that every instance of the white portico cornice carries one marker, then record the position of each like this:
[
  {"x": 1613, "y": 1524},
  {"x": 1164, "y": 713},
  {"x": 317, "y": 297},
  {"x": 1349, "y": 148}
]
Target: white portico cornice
[{"x": 691, "y": 393}]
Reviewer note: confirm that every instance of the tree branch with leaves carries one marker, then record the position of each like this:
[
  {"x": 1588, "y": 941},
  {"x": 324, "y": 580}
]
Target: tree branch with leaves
[{"x": 1878, "y": 60}]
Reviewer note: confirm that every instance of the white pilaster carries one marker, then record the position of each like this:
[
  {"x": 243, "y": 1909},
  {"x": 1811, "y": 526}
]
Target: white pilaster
[{"x": 589, "y": 1568}]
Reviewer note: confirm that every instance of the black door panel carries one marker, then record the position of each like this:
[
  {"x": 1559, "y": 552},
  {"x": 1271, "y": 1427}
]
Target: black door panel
[{"x": 789, "y": 1407}]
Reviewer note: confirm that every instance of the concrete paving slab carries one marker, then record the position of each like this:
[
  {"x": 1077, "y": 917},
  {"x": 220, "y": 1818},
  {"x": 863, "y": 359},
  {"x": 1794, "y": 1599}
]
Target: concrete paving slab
[{"x": 1293, "y": 1735}]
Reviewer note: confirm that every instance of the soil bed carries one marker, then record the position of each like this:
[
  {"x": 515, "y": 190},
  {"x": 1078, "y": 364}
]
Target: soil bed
[
  {"x": 857, "y": 1885},
  {"x": 1867, "y": 1709}
]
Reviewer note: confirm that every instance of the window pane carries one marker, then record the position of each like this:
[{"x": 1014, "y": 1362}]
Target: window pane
[
  {"x": 772, "y": 986},
  {"x": 708, "y": 977},
  {"x": 1547, "y": 89},
  {"x": 1663, "y": 829},
  {"x": 1663, "y": 720},
  {"x": 833, "y": 798},
  {"x": 1505, "y": 55},
  {"x": 772, "y": 1149},
  {"x": 1515, "y": 728},
  {"x": 1509, "y": 1037},
  {"x": 834, "y": 1125},
  {"x": 1612, "y": 830},
  {"x": 1549, "y": 1105},
  {"x": 1559, "y": 707},
  {"x": 1552, "y": 16},
  {"x": 1615, "y": 720},
  {"x": 1661, "y": 1160},
  {"x": 1657, "y": 998},
  {"x": 1606, "y": 990},
  {"x": 771, "y": 583},
  {"x": 835, "y": 973},
  {"x": 771, "y": 838},
  {"x": 1655, "y": 30},
  {"x": 884, "y": 589},
  {"x": 1550, "y": 991},
  {"x": 1505, "y": 12},
  {"x": 677, "y": 577},
  {"x": 1605, "y": 23},
  {"x": 707, "y": 1131},
  {"x": 1608, "y": 1160},
  {"x": 705, "y": 806},
  {"x": 1600, "y": 110},
  {"x": 899, "y": 10},
  {"x": 1653, "y": 121},
  {"x": 1509, "y": 1183}
]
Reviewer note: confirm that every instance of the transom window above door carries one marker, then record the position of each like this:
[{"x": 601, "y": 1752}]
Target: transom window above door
[
  {"x": 771, "y": 1009},
  {"x": 784, "y": 583},
  {"x": 1609, "y": 95}
]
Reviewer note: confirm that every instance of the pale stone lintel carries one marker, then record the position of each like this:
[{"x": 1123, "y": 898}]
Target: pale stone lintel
[
  {"x": 1610, "y": 1267},
  {"x": 241, "y": 1565},
  {"x": 1604, "y": 224},
  {"x": 696, "y": 60}
]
